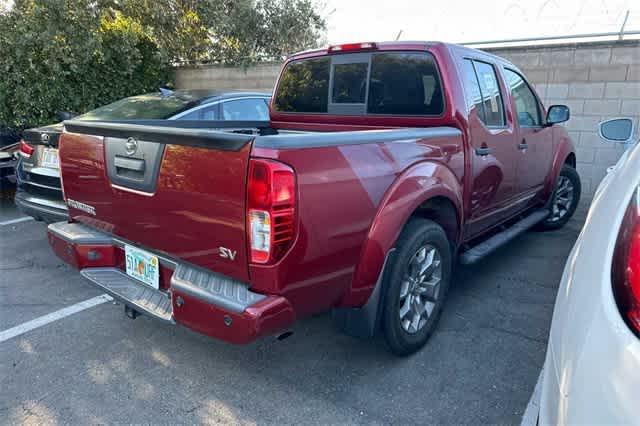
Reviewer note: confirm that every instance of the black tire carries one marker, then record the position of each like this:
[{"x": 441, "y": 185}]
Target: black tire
[
  {"x": 554, "y": 222},
  {"x": 417, "y": 234}
]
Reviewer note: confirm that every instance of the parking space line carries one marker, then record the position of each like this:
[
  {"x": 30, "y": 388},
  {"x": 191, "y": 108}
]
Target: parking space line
[
  {"x": 530, "y": 416},
  {"x": 54, "y": 316},
  {"x": 18, "y": 220}
]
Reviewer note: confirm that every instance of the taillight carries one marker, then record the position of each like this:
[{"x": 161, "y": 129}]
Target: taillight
[
  {"x": 625, "y": 273},
  {"x": 25, "y": 149},
  {"x": 271, "y": 209},
  {"x": 350, "y": 47}
]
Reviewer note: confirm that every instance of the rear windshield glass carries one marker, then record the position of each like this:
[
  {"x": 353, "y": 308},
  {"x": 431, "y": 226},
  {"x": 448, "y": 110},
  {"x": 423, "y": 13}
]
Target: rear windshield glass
[
  {"x": 349, "y": 83},
  {"x": 385, "y": 83},
  {"x": 150, "y": 106},
  {"x": 304, "y": 86}
]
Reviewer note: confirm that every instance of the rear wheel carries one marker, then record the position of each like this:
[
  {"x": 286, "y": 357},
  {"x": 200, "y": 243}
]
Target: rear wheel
[
  {"x": 564, "y": 202},
  {"x": 415, "y": 286}
]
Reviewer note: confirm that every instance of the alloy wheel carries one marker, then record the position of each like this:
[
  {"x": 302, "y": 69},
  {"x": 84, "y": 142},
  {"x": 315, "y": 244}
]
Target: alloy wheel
[
  {"x": 562, "y": 199},
  {"x": 420, "y": 288}
]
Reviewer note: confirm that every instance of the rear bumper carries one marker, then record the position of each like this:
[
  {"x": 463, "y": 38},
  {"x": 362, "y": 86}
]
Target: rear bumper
[
  {"x": 48, "y": 211},
  {"x": 204, "y": 301}
]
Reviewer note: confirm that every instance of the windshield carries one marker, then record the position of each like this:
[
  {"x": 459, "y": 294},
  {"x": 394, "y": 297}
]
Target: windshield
[{"x": 149, "y": 106}]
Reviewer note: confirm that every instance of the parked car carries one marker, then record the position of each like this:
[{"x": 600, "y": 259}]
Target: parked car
[
  {"x": 8, "y": 157},
  {"x": 39, "y": 191},
  {"x": 381, "y": 163},
  {"x": 593, "y": 355},
  {"x": 8, "y": 161}
]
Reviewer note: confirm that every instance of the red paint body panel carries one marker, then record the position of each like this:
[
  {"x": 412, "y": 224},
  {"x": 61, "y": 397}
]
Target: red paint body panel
[
  {"x": 266, "y": 317},
  {"x": 353, "y": 199},
  {"x": 198, "y": 205}
]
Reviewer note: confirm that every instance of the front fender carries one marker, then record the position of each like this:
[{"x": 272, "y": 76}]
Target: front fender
[
  {"x": 417, "y": 184},
  {"x": 563, "y": 148}
]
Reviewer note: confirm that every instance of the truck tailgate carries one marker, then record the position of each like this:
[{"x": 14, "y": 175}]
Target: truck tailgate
[{"x": 177, "y": 192}]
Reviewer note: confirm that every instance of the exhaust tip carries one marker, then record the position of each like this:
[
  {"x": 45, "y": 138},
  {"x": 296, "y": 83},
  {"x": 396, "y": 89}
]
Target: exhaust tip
[
  {"x": 130, "y": 312},
  {"x": 284, "y": 335}
]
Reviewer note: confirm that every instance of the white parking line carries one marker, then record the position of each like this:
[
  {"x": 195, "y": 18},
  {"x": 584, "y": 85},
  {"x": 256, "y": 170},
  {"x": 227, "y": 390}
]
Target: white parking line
[
  {"x": 530, "y": 416},
  {"x": 18, "y": 220},
  {"x": 54, "y": 316}
]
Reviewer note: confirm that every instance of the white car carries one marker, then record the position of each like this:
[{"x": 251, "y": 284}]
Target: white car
[{"x": 592, "y": 369}]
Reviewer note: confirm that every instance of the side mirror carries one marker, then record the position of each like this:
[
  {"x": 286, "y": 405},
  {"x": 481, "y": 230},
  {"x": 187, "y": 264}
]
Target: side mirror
[
  {"x": 65, "y": 115},
  {"x": 558, "y": 114},
  {"x": 616, "y": 130}
]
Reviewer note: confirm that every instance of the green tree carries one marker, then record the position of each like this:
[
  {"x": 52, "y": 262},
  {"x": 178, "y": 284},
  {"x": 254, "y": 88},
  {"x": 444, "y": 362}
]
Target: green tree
[
  {"x": 75, "y": 55},
  {"x": 227, "y": 31},
  {"x": 65, "y": 55}
]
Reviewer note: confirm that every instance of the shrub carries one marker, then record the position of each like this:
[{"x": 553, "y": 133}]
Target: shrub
[{"x": 63, "y": 55}]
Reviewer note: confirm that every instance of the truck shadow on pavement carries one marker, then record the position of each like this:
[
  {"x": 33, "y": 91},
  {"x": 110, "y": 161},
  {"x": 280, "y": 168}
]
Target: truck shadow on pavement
[{"x": 480, "y": 365}]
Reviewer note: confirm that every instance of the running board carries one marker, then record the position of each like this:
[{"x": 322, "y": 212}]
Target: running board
[
  {"x": 132, "y": 293},
  {"x": 488, "y": 246}
]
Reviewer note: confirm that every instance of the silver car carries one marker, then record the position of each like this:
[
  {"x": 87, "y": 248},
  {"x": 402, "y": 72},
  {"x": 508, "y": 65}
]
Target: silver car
[{"x": 39, "y": 192}]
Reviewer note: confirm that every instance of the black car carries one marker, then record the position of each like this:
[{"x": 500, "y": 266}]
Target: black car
[
  {"x": 39, "y": 192},
  {"x": 8, "y": 157}
]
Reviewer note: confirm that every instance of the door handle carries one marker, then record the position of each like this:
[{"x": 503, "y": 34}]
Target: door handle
[
  {"x": 129, "y": 163},
  {"x": 483, "y": 151},
  {"x": 523, "y": 145}
]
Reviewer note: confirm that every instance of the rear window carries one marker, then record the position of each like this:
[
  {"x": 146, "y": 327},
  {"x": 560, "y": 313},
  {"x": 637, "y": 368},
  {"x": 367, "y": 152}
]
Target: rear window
[
  {"x": 150, "y": 106},
  {"x": 349, "y": 83},
  {"x": 357, "y": 84},
  {"x": 304, "y": 86}
]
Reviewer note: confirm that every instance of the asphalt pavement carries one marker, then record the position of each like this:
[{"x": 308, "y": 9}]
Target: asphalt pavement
[{"x": 97, "y": 366}]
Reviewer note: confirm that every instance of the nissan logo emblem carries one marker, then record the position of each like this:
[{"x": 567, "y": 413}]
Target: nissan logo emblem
[{"x": 131, "y": 146}]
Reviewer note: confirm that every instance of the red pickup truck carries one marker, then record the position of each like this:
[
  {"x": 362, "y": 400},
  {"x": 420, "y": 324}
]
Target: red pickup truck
[{"x": 382, "y": 165}]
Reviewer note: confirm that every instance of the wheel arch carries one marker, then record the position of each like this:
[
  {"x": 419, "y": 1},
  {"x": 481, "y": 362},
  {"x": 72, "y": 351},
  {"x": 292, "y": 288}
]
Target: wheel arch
[
  {"x": 428, "y": 189},
  {"x": 441, "y": 210},
  {"x": 563, "y": 154},
  {"x": 571, "y": 160}
]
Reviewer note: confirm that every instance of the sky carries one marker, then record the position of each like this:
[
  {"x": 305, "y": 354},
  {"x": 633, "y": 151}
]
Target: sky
[{"x": 463, "y": 21}]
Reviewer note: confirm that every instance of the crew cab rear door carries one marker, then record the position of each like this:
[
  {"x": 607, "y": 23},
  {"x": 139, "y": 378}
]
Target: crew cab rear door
[
  {"x": 178, "y": 192},
  {"x": 493, "y": 153}
]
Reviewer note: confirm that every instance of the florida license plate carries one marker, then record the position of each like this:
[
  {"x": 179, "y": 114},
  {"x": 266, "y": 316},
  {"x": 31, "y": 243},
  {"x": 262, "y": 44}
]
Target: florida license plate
[
  {"x": 142, "y": 266},
  {"x": 50, "y": 158}
]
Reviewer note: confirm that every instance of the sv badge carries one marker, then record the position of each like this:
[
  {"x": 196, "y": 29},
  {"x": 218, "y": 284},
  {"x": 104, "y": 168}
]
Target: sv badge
[{"x": 226, "y": 253}]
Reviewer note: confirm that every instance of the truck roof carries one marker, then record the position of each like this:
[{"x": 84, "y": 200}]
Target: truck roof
[{"x": 400, "y": 45}]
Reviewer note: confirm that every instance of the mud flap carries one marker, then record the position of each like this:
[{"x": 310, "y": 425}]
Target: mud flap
[{"x": 363, "y": 322}]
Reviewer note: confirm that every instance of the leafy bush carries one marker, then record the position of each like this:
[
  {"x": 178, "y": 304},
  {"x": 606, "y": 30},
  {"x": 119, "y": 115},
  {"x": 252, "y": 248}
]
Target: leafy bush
[
  {"x": 64, "y": 55},
  {"x": 75, "y": 55}
]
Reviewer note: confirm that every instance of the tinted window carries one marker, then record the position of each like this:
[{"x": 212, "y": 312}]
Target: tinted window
[
  {"x": 399, "y": 84},
  {"x": 349, "y": 83},
  {"x": 491, "y": 99},
  {"x": 472, "y": 89},
  {"x": 193, "y": 115},
  {"x": 245, "y": 109},
  {"x": 210, "y": 113},
  {"x": 404, "y": 84},
  {"x": 304, "y": 86},
  {"x": 525, "y": 100},
  {"x": 151, "y": 106}
]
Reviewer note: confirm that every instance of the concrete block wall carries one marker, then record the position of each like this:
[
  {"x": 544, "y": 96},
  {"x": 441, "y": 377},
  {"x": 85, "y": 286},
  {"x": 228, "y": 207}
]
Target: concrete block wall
[
  {"x": 260, "y": 78},
  {"x": 597, "y": 81}
]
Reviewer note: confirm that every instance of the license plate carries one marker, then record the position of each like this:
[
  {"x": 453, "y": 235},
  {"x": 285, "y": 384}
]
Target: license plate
[
  {"x": 50, "y": 158},
  {"x": 142, "y": 266}
]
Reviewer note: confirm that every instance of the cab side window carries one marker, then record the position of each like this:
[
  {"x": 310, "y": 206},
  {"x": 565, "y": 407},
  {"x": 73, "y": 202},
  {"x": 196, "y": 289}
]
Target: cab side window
[
  {"x": 491, "y": 98},
  {"x": 483, "y": 92},
  {"x": 472, "y": 89},
  {"x": 527, "y": 107}
]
